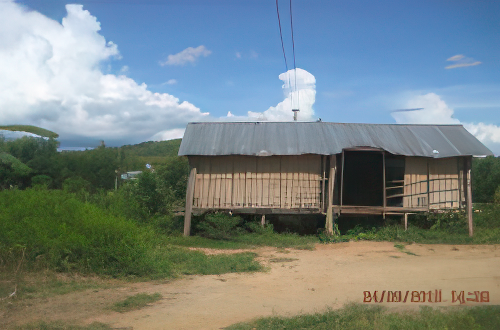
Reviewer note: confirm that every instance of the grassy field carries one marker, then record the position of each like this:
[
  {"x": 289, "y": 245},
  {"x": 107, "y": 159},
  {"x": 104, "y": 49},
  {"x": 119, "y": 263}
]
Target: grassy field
[{"x": 355, "y": 316}]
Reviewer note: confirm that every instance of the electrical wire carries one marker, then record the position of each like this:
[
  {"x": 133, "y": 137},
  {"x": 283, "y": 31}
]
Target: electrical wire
[
  {"x": 284, "y": 54},
  {"x": 281, "y": 35},
  {"x": 293, "y": 48}
]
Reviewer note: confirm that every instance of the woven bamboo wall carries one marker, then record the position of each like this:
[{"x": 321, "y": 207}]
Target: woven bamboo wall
[
  {"x": 231, "y": 182},
  {"x": 433, "y": 183}
]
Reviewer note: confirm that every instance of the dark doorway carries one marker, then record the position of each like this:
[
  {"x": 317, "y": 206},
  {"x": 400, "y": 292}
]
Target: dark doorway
[{"x": 363, "y": 178}]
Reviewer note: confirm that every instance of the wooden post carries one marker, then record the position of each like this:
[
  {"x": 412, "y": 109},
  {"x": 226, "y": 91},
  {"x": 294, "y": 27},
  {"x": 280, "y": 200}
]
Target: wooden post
[
  {"x": 463, "y": 199},
  {"x": 331, "y": 184},
  {"x": 428, "y": 187},
  {"x": 460, "y": 180},
  {"x": 263, "y": 220},
  {"x": 323, "y": 188},
  {"x": 189, "y": 202},
  {"x": 383, "y": 184},
  {"x": 469, "y": 196},
  {"x": 342, "y": 179},
  {"x": 406, "y": 221}
]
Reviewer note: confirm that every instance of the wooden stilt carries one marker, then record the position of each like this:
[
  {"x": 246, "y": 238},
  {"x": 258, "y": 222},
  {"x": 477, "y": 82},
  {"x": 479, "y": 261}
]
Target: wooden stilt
[
  {"x": 331, "y": 184},
  {"x": 406, "y": 221},
  {"x": 342, "y": 180},
  {"x": 469, "y": 197},
  {"x": 384, "y": 189},
  {"x": 263, "y": 220},
  {"x": 189, "y": 202}
]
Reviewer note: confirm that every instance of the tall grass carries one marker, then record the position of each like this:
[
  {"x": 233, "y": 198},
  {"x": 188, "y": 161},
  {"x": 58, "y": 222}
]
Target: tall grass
[{"x": 52, "y": 229}]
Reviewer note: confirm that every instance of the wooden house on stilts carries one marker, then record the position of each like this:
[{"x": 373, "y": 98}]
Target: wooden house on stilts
[{"x": 328, "y": 168}]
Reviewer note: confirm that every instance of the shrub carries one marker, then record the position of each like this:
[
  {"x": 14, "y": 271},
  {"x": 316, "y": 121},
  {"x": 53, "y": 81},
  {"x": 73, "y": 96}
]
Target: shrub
[
  {"x": 219, "y": 226},
  {"x": 76, "y": 184},
  {"x": 41, "y": 180},
  {"x": 450, "y": 221},
  {"x": 60, "y": 232},
  {"x": 53, "y": 229}
]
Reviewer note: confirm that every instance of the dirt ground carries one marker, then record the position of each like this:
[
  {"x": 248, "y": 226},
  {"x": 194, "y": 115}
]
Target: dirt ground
[{"x": 297, "y": 281}]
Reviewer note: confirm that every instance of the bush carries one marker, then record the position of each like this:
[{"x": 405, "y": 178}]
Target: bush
[
  {"x": 219, "y": 226},
  {"x": 450, "y": 221},
  {"x": 76, "y": 184},
  {"x": 53, "y": 229},
  {"x": 59, "y": 232},
  {"x": 41, "y": 180}
]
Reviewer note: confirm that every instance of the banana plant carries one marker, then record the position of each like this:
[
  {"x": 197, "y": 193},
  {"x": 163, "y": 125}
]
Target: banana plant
[
  {"x": 15, "y": 166},
  {"x": 30, "y": 129}
]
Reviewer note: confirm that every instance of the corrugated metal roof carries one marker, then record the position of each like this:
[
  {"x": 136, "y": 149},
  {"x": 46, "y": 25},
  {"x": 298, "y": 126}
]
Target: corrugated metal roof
[{"x": 297, "y": 138}]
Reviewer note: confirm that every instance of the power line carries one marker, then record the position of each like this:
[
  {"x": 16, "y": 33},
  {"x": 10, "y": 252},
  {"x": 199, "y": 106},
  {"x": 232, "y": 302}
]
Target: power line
[
  {"x": 281, "y": 35},
  {"x": 293, "y": 48},
  {"x": 284, "y": 54}
]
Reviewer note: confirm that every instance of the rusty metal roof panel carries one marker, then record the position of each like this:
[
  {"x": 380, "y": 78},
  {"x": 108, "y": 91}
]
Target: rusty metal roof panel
[{"x": 297, "y": 138}]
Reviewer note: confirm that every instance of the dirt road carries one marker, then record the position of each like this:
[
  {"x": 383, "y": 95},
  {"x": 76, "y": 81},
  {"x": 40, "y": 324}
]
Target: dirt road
[{"x": 301, "y": 281}]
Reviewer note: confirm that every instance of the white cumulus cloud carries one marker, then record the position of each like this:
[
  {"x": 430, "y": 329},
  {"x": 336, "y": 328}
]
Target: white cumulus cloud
[
  {"x": 50, "y": 76},
  {"x": 299, "y": 87},
  {"x": 188, "y": 55},
  {"x": 436, "y": 111}
]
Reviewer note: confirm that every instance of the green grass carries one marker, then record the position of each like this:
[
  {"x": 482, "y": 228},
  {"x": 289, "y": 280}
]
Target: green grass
[
  {"x": 441, "y": 228},
  {"x": 429, "y": 236},
  {"x": 356, "y": 316},
  {"x": 402, "y": 248},
  {"x": 248, "y": 241},
  {"x": 45, "y": 284},
  {"x": 137, "y": 301},
  {"x": 63, "y": 326}
]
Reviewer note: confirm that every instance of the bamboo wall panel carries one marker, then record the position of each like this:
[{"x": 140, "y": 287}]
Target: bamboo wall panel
[
  {"x": 444, "y": 182},
  {"x": 275, "y": 183},
  {"x": 269, "y": 182},
  {"x": 415, "y": 182}
]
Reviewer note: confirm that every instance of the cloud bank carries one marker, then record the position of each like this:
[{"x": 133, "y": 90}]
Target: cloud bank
[
  {"x": 436, "y": 111},
  {"x": 50, "y": 76}
]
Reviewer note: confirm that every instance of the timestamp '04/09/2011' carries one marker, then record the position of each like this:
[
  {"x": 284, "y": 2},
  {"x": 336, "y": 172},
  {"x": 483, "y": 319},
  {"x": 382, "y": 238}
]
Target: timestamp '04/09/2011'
[{"x": 431, "y": 296}]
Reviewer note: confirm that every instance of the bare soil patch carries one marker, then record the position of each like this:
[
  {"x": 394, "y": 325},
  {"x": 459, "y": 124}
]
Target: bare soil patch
[{"x": 296, "y": 281}]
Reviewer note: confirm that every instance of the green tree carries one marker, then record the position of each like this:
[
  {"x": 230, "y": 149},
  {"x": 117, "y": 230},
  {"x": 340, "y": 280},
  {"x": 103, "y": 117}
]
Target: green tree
[
  {"x": 174, "y": 174},
  {"x": 485, "y": 178},
  {"x": 13, "y": 172}
]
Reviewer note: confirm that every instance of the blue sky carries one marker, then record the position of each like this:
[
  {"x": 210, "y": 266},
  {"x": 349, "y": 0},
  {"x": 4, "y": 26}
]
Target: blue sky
[{"x": 171, "y": 62}]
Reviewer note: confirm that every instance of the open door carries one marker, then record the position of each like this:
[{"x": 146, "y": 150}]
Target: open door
[{"x": 363, "y": 183}]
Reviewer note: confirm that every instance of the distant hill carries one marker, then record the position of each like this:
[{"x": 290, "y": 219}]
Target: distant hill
[
  {"x": 154, "y": 148},
  {"x": 157, "y": 153}
]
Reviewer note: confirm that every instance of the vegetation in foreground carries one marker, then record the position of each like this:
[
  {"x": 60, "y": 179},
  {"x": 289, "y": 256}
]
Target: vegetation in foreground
[
  {"x": 63, "y": 326},
  {"x": 50, "y": 229},
  {"x": 137, "y": 301},
  {"x": 356, "y": 316}
]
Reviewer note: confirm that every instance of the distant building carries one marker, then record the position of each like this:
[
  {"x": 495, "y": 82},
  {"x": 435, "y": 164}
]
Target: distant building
[{"x": 132, "y": 175}]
